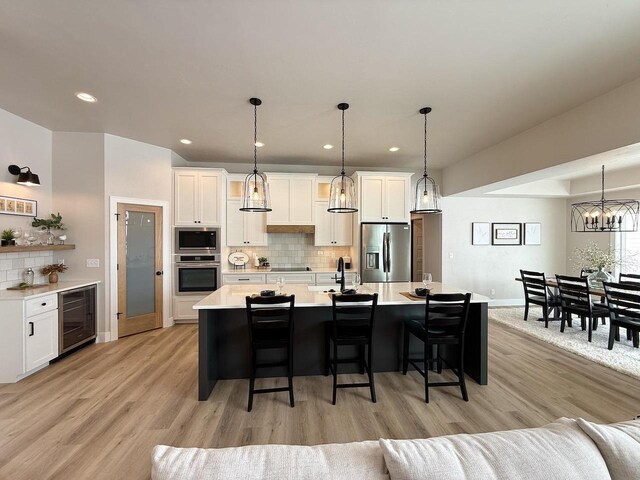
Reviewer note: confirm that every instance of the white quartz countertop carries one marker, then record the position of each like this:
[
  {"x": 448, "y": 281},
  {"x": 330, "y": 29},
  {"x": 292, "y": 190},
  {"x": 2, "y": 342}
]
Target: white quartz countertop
[
  {"x": 277, "y": 270},
  {"x": 233, "y": 296},
  {"x": 47, "y": 290}
]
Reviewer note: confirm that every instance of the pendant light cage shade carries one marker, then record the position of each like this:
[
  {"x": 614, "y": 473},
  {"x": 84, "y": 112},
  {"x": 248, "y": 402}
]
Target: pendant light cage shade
[
  {"x": 255, "y": 193},
  {"x": 620, "y": 215},
  {"x": 427, "y": 198},
  {"x": 605, "y": 216},
  {"x": 342, "y": 198}
]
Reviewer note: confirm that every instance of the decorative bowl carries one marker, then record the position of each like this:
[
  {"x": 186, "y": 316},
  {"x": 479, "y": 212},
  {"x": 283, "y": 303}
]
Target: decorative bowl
[{"x": 421, "y": 292}]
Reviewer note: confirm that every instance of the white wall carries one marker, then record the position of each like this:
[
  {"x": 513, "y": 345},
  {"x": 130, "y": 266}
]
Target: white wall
[
  {"x": 25, "y": 144},
  {"x": 482, "y": 268}
]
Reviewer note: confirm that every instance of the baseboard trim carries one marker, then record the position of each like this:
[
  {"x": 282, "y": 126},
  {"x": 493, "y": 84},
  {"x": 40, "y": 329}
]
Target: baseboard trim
[
  {"x": 103, "y": 337},
  {"x": 506, "y": 302}
]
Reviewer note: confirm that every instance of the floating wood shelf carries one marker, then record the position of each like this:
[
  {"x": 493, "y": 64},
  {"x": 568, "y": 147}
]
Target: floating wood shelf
[{"x": 36, "y": 248}]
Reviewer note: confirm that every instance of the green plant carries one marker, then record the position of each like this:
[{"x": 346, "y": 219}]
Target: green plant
[
  {"x": 263, "y": 260},
  {"x": 53, "y": 223},
  {"x": 55, "y": 267},
  {"x": 8, "y": 235}
]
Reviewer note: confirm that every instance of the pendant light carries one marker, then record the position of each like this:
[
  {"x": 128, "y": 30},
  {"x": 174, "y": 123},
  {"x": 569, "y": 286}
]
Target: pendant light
[
  {"x": 255, "y": 190},
  {"x": 427, "y": 198},
  {"x": 605, "y": 215},
  {"x": 342, "y": 198}
]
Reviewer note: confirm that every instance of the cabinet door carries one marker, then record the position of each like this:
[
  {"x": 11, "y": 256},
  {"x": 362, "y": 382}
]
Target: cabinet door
[
  {"x": 235, "y": 224},
  {"x": 42, "y": 339},
  {"x": 301, "y": 203},
  {"x": 209, "y": 198},
  {"x": 342, "y": 228},
  {"x": 279, "y": 189},
  {"x": 372, "y": 199},
  {"x": 396, "y": 208},
  {"x": 255, "y": 229},
  {"x": 324, "y": 220},
  {"x": 185, "y": 198}
]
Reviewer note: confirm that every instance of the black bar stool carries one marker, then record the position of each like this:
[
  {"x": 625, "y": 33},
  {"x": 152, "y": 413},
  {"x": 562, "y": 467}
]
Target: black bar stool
[
  {"x": 445, "y": 323},
  {"x": 270, "y": 327},
  {"x": 352, "y": 324}
]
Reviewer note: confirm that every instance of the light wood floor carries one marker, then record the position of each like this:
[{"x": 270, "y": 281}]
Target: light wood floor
[{"x": 98, "y": 413}]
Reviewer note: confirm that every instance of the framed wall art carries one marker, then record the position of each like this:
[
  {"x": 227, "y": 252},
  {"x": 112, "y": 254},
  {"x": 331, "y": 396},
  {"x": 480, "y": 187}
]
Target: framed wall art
[
  {"x": 18, "y": 206},
  {"x": 506, "y": 234},
  {"x": 532, "y": 233},
  {"x": 480, "y": 233}
]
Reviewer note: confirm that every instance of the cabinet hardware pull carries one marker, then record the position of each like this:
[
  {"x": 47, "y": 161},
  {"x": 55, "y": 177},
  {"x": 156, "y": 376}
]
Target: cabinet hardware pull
[
  {"x": 44, "y": 304},
  {"x": 32, "y": 329},
  {"x": 244, "y": 279}
]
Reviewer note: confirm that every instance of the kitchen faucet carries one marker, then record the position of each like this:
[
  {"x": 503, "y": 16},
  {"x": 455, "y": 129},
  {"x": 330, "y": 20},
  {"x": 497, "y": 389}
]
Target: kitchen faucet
[{"x": 340, "y": 280}]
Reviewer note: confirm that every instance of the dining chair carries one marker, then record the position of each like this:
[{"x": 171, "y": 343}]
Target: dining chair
[
  {"x": 271, "y": 327},
  {"x": 575, "y": 298},
  {"x": 444, "y": 324},
  {"x": 624, "y": 304},
  {"x": 629, "y": 278},
  {"x": 352, "y": 325},
  {"x": 536, "y": 292}
]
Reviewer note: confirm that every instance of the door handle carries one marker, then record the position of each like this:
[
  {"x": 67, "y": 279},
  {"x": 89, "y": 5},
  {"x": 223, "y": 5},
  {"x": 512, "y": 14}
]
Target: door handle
[
  {"x": 32, "y": 329},
  {"x": 384, "y": 252},
  {"x": 159, "y": 273},
  {"x": 388, "y": 252}
]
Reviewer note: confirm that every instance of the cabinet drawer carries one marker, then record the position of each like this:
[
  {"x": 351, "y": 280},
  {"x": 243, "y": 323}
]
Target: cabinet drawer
[
  {"x": 293, "y": 278},
  {"x": 329, "y": 278},
  {"x": 236, "y": 278},
  {"x": 42, "y": 304}
]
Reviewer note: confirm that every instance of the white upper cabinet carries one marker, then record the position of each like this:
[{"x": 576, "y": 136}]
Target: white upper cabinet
[
  {"x": 243, "y": 228},
  {"x": 383, "y": 197},
  {"x": 332, "y": 229},
  {"x": 292, "y": 199},
  {"x": 198, "y": 196}
]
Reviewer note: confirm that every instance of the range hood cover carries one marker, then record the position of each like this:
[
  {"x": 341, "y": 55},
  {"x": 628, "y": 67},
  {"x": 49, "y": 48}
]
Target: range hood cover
[{"x": 291, "y": 229}]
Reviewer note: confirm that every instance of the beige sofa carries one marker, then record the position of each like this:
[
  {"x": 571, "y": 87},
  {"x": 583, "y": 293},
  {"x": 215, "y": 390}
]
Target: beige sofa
[{"x": 565, "y": 449}]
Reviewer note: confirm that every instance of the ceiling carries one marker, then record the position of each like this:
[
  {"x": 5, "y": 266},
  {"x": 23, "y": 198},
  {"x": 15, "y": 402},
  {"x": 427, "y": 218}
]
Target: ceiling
[{"x": 163, "y": 70}]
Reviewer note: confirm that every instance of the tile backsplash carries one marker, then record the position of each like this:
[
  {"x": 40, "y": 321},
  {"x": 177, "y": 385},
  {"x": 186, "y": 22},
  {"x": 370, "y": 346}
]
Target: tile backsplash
[
  {"x": 13, "y": 265},
  {"x": 294, "y": 250}
]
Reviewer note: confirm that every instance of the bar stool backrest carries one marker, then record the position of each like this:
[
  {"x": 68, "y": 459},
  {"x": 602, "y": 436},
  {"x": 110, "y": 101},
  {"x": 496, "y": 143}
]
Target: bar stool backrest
[
  {"x": 354, "y": 310},
  {"x": 265, "y": 313},
  {"x": 448, "y": 311},
  {"x": 623, "y": 300}
]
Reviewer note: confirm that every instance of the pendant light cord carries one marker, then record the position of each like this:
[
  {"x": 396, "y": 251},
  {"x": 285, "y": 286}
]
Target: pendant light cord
[
  {"x": 342, "y": 142},
  {"x": 602, "y": 184},
  {"x": 255, "y": 139},
  {"x": 425, "y": 145}
]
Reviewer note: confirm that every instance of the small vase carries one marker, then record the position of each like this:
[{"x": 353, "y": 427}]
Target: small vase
[
  {"x": 600, "y": 275},
  {"x": 53, "y": 277}
]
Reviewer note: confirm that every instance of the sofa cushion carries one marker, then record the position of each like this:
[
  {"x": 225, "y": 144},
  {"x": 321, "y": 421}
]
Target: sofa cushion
[
  {"x": 619, "y": 445},
  {"x": 558, "y": 450},
  {"x": 352, "y": 461}
]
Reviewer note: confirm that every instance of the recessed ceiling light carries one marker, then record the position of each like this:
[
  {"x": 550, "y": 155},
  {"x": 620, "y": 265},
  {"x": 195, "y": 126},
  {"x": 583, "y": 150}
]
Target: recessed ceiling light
[
  {"x": 186, "y": 141},
  {"x": 327, "y": 147},
  {"x": 259, "y": 144},
  {"x": 85, "y": 97},
  {"x": 394, "y": 149}
]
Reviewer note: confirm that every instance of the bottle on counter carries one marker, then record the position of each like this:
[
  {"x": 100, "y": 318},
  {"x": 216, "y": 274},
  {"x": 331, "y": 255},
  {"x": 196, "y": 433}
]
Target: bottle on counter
[{"x": 28, "y": 276}]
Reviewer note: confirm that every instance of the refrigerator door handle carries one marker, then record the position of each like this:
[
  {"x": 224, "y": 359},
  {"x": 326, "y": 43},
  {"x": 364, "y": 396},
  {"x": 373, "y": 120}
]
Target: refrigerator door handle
[
  {"x": 388, "y": 239},
  {"x": 384, "y": 252}
]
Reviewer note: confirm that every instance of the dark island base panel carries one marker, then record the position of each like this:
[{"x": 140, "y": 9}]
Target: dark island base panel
[{"x": 224, "y": 351}]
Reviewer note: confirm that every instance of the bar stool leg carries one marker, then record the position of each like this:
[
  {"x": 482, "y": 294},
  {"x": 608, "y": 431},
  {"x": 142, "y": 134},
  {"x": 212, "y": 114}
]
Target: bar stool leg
[
  {"x": 335, "y": 372},
  {"x": 463, "y": 385},
  {"x": 252, "y": 379},
  {"x": 290, "y": 373},
  {"x": 370, "y": 371},
  {"x": 426, "y": 371}
]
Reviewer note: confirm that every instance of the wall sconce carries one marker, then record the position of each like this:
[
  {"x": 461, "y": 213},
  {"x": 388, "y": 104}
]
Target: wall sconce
[{"x": 27, "y": 177}]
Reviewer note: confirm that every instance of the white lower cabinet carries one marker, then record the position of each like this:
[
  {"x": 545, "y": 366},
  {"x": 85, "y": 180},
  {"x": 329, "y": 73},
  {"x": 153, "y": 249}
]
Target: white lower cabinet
[
  {"x": 330, "y": 278},
  {"x": 183, "y": 308},
  {"x": 240, "y": 278},
  {"x": 293, "y": 278},
  {"x": 42, "y": 339}
]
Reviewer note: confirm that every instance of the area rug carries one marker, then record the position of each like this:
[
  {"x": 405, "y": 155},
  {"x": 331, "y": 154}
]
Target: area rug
[{"x": 623, "y": 358}]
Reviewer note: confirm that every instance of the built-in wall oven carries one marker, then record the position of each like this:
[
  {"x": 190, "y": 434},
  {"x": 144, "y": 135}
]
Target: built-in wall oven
[
  {"x": 197, "y": 274},
  {"x": 197, "y": 241}
]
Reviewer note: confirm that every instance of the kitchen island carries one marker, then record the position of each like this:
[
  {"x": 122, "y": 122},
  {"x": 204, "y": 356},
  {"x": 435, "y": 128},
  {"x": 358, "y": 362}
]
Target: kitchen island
[{"x": 223, "y": 340}]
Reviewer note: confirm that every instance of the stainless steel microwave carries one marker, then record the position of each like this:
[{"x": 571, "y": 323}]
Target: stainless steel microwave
[{"x": 198, "y": 240}]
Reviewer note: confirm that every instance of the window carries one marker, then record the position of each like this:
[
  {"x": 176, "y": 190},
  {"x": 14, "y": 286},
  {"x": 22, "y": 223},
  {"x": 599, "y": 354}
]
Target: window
[{"x": 627, "y": 246}]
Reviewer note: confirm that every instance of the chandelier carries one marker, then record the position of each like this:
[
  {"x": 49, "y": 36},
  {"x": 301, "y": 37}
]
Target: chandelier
[{"x": 605, "y": 215}]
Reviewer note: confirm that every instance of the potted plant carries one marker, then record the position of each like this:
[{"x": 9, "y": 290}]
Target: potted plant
[
  {"x": 48, "y": 224},
  {"x": 263, "y": 261},
  {"x": 597, "y": 260},
  {"x": 53, "y": 270},
  {"x": 8, "y": 238}
]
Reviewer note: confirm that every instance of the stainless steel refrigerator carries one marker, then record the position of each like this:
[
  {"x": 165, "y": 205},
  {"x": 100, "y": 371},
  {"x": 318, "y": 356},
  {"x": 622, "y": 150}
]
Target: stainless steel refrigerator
[{"x": 385, "y": 252}]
